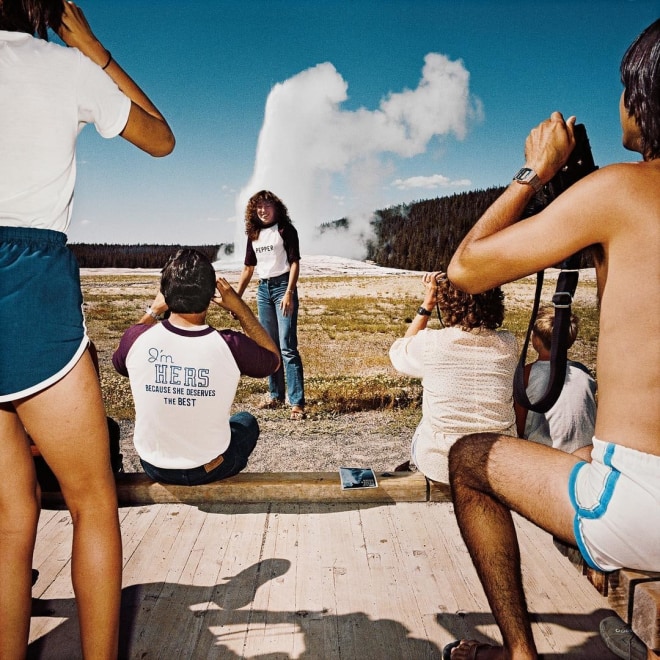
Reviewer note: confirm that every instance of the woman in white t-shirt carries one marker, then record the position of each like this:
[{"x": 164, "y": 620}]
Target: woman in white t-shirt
[
  {"x": 273, "y": 250},
  {"x": 48, "y": 384},
  {"x": 466, "y": 368}
]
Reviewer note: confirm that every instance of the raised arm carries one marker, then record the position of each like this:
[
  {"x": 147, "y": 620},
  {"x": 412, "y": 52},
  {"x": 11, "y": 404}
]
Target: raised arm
[
  {"x": 496, "y": 249},
  {"x": 430, "y": 301},
  {"x": 230, "y": 300},
  {"x": 146, "y": 127}
]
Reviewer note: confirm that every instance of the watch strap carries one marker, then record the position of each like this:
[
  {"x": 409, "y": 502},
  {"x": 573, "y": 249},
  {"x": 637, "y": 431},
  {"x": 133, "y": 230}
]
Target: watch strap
[{"x": 422, "y": 311}]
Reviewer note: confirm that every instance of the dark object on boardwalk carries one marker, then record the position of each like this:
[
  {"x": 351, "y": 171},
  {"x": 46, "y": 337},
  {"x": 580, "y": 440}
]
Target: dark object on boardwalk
[
  {"x": 579, "y": 164},
  {"x": 47, "y": 479},
  {"x": 621, "y": 640}
]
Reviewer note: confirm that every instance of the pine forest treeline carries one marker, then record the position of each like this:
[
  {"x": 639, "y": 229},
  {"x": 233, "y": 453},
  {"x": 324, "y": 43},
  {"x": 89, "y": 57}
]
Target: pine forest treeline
[
  {"x": 92, "y": 255},
  {"x": 425, "y": 234},
  {"x": 418, "y": 236}
]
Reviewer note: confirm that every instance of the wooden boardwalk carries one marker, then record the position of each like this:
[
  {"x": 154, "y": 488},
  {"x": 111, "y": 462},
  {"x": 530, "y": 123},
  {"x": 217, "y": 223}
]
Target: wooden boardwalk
[{"x": 316, "y": 581}]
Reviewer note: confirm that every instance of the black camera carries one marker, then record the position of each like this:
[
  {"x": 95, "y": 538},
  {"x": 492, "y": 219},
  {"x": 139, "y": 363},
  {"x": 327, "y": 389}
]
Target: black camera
[{"x": 579, "y": 164}]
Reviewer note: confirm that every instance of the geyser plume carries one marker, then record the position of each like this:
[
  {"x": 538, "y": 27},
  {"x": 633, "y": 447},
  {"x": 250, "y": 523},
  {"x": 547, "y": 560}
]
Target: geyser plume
[{"x": 327, "y": 163}]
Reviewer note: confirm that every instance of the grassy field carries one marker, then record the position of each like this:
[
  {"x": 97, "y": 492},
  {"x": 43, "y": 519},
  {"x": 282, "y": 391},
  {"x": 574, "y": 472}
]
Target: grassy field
[{"x": 344, "y": 337}]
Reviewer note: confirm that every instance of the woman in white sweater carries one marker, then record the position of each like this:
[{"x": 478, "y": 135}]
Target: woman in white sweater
[{"x": 466, "y": 368}]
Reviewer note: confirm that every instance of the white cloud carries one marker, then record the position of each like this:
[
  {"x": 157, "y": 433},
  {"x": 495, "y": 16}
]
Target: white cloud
[
  {"x": 310, "y": 150},
  {"x": 429, "y": 182}
]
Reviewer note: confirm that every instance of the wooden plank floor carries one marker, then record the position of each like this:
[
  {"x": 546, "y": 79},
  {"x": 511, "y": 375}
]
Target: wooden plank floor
[{"x": 313, "y": 581}]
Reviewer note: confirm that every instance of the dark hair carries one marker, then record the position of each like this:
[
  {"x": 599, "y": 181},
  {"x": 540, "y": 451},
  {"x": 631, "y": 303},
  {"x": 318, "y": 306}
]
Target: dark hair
[
  {"x": 640, "y": 74},
  {"x": 468, "y": 311},
  {"x": 188, "y": 282},
  {"x": 31, "y": 16},
  {"x": 252, "y": 223}
]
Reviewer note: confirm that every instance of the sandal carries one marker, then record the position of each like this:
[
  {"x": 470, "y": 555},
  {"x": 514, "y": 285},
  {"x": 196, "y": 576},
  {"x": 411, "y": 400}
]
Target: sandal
[
  {"x": 271, "y": 404},
  {"x": 297, "y": 413},
  {"x": 472, "y": 646}
]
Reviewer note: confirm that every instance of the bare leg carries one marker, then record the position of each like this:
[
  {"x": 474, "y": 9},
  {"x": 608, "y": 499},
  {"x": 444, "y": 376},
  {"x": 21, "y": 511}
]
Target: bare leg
[
  {"x": 19, "y": 513},
  {"x": 67, "y": 422},
  {"x": 491, "y": 476},
  {"x": 584, "y": 453}
]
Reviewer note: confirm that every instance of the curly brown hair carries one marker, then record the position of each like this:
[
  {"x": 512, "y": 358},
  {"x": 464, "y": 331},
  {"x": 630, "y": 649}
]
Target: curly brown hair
[
  {"x": 481, "y": 310},
  {"x": 253, "y": 224}
]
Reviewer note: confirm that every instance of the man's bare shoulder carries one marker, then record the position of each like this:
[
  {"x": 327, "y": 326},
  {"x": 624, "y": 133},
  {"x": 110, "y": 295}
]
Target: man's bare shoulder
[
  {"x": 621, "y": 190},
  {"x": 630, "y": 173}
]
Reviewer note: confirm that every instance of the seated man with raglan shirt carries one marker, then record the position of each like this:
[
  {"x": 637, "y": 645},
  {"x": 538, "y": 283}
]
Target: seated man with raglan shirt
[{"x": 184, "y": 374}]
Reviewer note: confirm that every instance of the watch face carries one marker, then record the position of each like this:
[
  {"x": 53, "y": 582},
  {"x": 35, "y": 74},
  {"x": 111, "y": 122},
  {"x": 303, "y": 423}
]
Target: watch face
[
  {"x": 528, "y": 176},
  {"x": 524, "y": 175}
]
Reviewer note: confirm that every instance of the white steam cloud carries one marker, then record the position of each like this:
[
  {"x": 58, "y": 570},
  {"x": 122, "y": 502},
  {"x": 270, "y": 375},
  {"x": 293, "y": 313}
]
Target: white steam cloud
[{"x": 326, "y": 163}]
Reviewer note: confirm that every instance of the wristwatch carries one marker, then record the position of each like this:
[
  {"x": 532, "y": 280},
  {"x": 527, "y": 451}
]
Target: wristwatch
[
  {"x": 422, "y": 311},
  {"x": 153, "y": 314},
  {"x": 528, "y": 177}
]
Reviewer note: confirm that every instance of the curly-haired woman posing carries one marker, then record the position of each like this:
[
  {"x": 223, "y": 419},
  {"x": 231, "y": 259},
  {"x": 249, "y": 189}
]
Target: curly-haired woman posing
[
  {"x": 273, "y": 249},
  {"x": 466, "y": 369}
]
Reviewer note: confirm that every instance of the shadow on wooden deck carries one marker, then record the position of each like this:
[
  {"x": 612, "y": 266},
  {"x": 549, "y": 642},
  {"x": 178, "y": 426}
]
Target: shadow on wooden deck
[{"x": 311, "y": 581}]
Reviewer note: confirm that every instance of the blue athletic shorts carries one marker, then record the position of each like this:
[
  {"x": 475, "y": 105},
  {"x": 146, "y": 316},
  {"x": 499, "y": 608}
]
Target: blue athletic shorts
[{"x": 41, "y": 318}]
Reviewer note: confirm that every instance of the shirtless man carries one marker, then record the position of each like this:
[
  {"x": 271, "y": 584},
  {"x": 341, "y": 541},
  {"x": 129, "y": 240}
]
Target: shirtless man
[{"x": 618, "y": 209}]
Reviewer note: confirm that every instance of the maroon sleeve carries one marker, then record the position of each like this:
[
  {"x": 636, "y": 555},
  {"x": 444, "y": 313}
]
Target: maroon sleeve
[
  {"x": 252, "y": 360},
  {"x": 250, "y": 256},
  {"x": 291, "y": 244},
  {"x": 127, "y": 340}
]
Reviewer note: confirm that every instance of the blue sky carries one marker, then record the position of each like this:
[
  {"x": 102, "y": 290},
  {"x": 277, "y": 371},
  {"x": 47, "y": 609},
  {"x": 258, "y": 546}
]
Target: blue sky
[{"x": 340, "y": 107}]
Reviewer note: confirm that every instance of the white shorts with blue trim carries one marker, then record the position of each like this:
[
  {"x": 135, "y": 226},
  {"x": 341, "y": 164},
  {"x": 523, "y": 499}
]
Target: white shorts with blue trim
[{"x": 616, "y": 499}]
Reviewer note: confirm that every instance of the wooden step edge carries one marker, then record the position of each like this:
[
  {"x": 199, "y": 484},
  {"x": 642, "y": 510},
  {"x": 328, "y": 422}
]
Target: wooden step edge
[
  {"x": 645, "y": 620},
  {"x": 623, "y": 586},
  {"x": 136, "y": 488}
]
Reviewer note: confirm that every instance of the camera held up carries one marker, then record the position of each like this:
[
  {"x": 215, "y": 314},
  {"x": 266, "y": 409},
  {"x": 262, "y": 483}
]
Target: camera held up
[{"x": 579, "y": 164}]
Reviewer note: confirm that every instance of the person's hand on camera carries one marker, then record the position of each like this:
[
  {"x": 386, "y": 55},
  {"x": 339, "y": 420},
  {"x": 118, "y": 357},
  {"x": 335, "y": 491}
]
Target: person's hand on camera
[
  {"x": 226, "y": 297},
  {"x": 159, "y": 306},
  {"x": 430, "y": 281},
  {"x": 549, "y": 145}
]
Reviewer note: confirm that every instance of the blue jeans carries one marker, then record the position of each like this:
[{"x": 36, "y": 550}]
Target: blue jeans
[
  {"x": 244, "y": 434},
  {"x": 284, "y": 332}
]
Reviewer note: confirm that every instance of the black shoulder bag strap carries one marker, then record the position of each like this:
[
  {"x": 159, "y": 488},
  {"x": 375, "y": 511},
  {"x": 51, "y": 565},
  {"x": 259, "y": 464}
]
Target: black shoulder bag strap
[{"x": 565, "y": 290}]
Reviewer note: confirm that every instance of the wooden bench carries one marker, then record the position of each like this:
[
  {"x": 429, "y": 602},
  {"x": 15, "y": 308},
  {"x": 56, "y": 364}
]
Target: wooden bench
[
  {"x": 136, "y": 488},
  {"x": 633, "y": 595}
]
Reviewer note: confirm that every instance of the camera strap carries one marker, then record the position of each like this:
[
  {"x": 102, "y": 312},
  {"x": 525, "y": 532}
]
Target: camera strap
[{"x": 562, "y": 299}]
